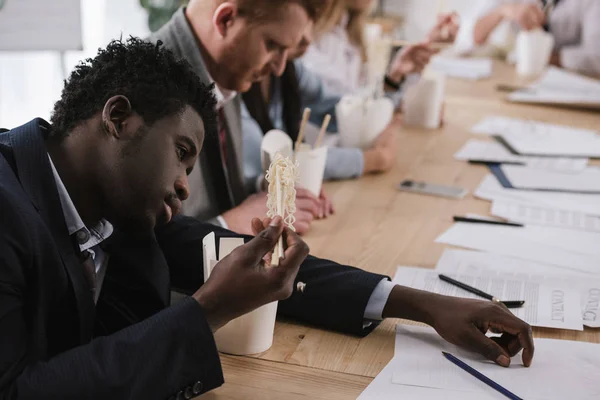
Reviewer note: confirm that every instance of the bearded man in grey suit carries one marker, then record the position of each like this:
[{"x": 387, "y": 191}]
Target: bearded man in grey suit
[{"x": 235, "y": 44}]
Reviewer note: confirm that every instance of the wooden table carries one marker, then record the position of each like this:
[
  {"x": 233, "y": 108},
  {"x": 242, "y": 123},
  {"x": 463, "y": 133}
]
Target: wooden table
[{"x": 378, "y": 228}]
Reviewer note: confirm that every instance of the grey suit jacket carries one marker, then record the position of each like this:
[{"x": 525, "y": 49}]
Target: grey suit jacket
[{"x": 204, "y": 203}]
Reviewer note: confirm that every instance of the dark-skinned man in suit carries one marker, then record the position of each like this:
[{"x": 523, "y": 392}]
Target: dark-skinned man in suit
[{"x": 91, "y": 244}]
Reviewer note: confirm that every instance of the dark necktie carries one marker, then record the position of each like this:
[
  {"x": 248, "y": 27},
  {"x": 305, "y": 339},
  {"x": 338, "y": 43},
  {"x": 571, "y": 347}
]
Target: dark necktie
[
  {"x": 89, "y": 270},
  {"x": 223, "y": 137}
]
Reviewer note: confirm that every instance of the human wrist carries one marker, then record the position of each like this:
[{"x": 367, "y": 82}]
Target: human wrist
[
  {"x": 210, "y": 307},
  {"x": 372, "y": 160},
  {"x": 412, "y": 304}
]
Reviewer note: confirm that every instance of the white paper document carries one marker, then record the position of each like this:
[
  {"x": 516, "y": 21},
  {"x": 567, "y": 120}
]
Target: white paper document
[
  {"x": 497, "y": 125},
  {"x": 561, "y": 79},
  {"x": 561, "y": 87},
  {"x": 553, "y": 145},
  {"x": 586, "y": 181},
  {"x": 561, "y": 369},
  {"x": 474, "y": 262},
  {"x": 382, "y": 388},
  {"x": 495, "y": 152},
  {"x": 547, "y": 304},
  {"x": 490, "y": 189},
  {"x": 575, "y": 250},
  {"x": 465, "y": 68},
  {"x": 544, "y": 216}
]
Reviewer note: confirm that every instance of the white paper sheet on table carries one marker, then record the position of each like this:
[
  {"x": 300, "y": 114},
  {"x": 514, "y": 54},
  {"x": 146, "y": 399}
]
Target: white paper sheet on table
[
  {"x": 544, "y": 216},
  {"x": 474, "y": 262},
  {"x": 465, "y": 68},
  {"x": 521, "y": 177},
  {"x": 561, "y": 79},
  {"x": 382, "y": 388},
  {"x": 490, "y": 189},
  {"x": 559, "y": 86},
  {"x": 560, "y": 370},
  {"x": 495, "y": 152},
  {"x": 539, "y": 244},
  {"x": 553, "y": 145},
  {"x": 547, "y": 303},
  {"x": 498, "y": 125}
]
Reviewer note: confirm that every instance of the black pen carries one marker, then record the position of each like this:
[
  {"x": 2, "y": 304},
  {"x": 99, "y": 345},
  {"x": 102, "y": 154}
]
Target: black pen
[
  {"x": 484, "y": 221},
  {"x": 508, "y": 304},
  {"x": 484, "y": 162}
]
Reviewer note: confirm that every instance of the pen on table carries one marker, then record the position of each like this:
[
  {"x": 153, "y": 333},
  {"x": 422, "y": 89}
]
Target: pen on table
[
  {"x": 484, "y": 162},
  {"x": 480, "y": 293},
  {"x": 456, "y": 218},
  {"x": 480, "y": 376}
]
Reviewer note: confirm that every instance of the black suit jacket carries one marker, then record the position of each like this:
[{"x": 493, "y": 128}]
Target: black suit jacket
[{"x": 55, "y": 343}]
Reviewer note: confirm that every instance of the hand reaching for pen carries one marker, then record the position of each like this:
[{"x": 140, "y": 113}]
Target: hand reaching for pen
[{"x": 464, "y": 322}]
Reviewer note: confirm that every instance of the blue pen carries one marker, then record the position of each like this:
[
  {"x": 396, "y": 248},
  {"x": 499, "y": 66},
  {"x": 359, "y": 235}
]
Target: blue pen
[{"x": 480, "y": 376}]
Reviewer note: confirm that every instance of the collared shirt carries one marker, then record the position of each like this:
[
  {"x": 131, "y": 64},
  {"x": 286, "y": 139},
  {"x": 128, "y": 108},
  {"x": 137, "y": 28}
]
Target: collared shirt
[
  {"x": 223, "y": 96},
  {"x": 337, "y": 61},
  {"x": 88, "y": 238}
]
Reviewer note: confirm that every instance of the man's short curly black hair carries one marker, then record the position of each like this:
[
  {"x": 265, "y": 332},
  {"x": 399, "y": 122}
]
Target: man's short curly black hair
[{"x": 156, "y": 83}]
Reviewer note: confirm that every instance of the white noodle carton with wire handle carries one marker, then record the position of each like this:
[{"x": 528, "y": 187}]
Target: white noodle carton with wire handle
[
  {"x": 311, "y": 168},
  {"x": 252, "y": 333},
  {"x": 361, "y": 119},
  {"x": 311, "y": 162}
]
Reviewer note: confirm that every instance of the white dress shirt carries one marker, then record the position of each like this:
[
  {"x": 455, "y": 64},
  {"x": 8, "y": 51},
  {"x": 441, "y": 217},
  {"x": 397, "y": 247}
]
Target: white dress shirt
[
  {"x": 575, "y": 25},
  {"x": 337, "y": 61},
  {"x": 88, "y": 238}
]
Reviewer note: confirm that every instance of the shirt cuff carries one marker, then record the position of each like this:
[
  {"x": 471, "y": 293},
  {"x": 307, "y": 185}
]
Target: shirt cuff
[
  {"x": 222, "y": 222},
  {"x": 378, "y": 300}
]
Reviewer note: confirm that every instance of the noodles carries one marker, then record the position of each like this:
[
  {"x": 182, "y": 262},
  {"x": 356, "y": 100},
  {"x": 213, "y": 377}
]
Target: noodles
[{"x": 281, "y": 199}]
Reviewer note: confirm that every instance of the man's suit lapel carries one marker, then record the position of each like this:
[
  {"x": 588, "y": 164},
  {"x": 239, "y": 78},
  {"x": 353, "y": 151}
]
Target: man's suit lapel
[{"x": 35, "y": 175}]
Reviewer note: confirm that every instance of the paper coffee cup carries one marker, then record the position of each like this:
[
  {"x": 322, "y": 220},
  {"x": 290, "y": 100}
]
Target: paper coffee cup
[
  {"x": 349, "y": 114},
  {"x": 533, "y": 51},
  {"x": 311, "y": 167},
  {"x": 423, "y": 102}
]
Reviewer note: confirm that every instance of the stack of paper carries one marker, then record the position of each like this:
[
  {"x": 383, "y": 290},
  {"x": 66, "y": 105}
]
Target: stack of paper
[
  {"x": 478, "y": 263},
  {"x": 565, "y": 248},
  {"x": 493, "y": 152},
  {"x": 498, "y": 125},
  {"x": 549, "y": 304},
  {"x": 465, "y": 68},
  {"x": 552, "y": 145},
  {"x": 490, "y": 189},
  {"x": 561, "y": 369},
  {"x": 534, "y": 138},
  {"x": 523, "y": 177},
  {"x": 561, "y": 87},
  {"x": 544, "y": 216}
]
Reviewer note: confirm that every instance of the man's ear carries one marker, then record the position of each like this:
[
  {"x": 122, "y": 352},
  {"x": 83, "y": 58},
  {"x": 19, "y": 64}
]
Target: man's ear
[
  {"x": 115, "y": 114},
  {"x": 224, "y": 17}
]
